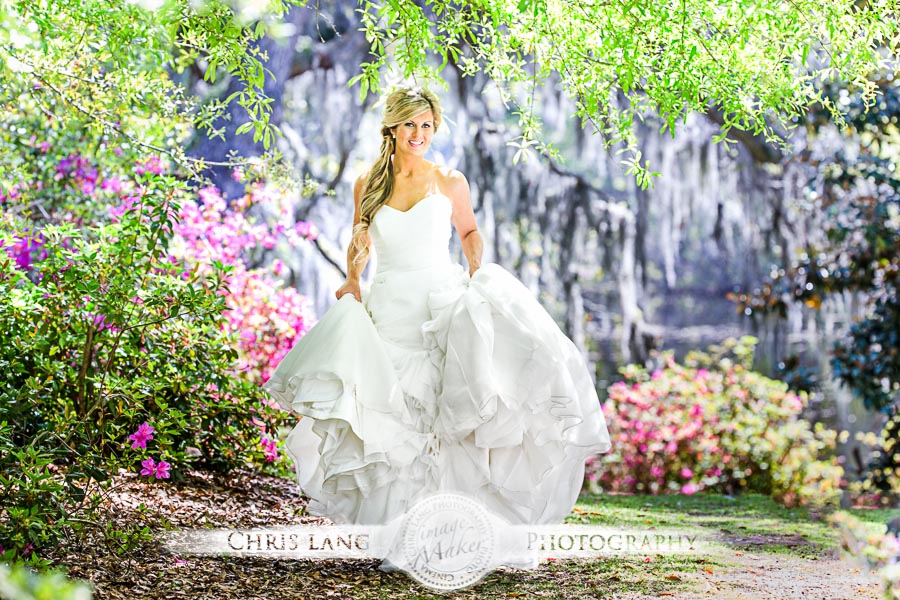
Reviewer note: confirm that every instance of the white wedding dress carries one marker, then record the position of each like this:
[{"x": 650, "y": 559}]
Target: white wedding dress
[{"x": 437, "y": 382}]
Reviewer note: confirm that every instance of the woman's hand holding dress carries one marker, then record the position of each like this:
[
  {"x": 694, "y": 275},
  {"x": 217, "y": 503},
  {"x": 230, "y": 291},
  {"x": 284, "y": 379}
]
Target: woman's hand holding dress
[{"x": 351, "y": 286}]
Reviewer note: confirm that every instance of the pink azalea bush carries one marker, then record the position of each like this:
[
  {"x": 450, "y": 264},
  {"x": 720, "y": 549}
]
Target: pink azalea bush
[
  {"x": 264, "y": 317},
  {"x": 714, "y": 425},
  {"x": 223, "y": 246}
]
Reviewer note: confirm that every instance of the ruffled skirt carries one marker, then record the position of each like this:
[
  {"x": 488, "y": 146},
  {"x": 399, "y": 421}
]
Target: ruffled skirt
[{"x": 439, "y": 382}]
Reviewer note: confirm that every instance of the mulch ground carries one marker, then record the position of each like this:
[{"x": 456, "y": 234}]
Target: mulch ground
[{"x": 241, "y": 499}]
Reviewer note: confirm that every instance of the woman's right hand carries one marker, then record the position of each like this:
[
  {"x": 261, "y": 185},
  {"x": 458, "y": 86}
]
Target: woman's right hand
[{"x": 351, "y": 286}]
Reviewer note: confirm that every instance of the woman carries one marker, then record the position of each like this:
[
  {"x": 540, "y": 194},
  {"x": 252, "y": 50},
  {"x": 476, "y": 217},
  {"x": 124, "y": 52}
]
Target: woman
[{"x": 436, "y": 379}]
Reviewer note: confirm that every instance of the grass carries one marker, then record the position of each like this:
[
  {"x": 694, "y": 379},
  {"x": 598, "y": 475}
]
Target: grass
[{"x": 748, "y": 523}]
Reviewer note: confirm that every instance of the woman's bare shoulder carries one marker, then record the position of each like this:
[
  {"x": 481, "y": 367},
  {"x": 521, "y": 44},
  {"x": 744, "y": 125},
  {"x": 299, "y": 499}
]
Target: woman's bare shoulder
[
  {"x": 360, "y": 183},
  {"x": 451, "y": 181}
]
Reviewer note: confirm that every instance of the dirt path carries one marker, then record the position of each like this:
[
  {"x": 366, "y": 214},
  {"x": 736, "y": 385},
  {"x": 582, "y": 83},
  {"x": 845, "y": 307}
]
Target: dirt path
[{"x": 777, "y": 577}]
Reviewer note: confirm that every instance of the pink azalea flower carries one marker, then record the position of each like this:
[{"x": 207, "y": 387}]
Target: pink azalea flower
[
  {"x": 112, "y": 184},
  {"x": 162, "y": 470},
  {"x": 688, "y": 489},
  {"x": 158, "y": 470},
  {"x": 278, "y": 267},
  {"x": 128, "y": 204},
  {"x": 211, "y": 198},
  {"x": 140, "y": 437},
  {"x": 149, "y": 467},
  {"x": 151, "y": 165},
  {"x": 269, "y": 449},
  {"x": 686, "y": 473},
  {"x": 306, "y": 230}
]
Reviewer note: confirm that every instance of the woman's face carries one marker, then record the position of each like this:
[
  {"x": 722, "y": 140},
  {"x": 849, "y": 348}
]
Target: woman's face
[{"x": 414, "y": 136}]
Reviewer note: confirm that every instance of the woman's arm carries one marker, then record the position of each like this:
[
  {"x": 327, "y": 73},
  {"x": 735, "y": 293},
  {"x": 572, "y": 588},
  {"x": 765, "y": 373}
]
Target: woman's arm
[
  {"x": 354, "y": 270},
  {"x": 457, "y": 189}
]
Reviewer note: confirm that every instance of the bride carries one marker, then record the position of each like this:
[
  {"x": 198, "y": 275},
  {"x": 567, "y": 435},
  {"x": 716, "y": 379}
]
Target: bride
[{"x": 438, "y": 378}]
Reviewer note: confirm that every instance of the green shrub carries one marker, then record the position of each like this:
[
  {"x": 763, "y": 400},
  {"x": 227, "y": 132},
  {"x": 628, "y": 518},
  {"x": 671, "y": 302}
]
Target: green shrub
[{"x": 17, "y": 582}]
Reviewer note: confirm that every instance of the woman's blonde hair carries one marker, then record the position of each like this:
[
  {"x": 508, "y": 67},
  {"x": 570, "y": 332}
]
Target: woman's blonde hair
[{"x": 401, "y": 106}]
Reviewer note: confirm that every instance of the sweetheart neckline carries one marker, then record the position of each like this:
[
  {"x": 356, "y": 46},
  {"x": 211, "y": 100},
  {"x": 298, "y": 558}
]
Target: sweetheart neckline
[{"x": 426, "y": 197}]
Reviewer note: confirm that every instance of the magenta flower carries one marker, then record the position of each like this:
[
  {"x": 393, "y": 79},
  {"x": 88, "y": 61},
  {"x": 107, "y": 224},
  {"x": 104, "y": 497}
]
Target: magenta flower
[
  {"x": 140, "y": 437},
  {"x": 99, "y": 321},
  {"x": 278, "y": 267},
  {"x": 112, "y": 184},
  {"x": 28, "y": 249},
  {"x": 152, "y": 165},
  {"x": 686, "y": 472},
  {"x": 212, "y": 199},
  {"x": 129, "y": 203},
  {"x": 149, "y": 467},
  {"x": 162, "y": 470},
  {"x": 87, "y": 179},
  {"x": 689, "y": 488},
  {"x": 307, "y": 230},
  {"x": 269, "y": 450},
  {"x": 158, "y": 470}
]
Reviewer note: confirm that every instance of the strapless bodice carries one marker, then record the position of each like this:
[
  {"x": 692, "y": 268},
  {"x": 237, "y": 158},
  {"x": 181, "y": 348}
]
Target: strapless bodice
[{"x": 417, "y": 238}]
